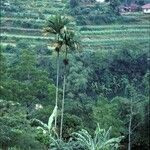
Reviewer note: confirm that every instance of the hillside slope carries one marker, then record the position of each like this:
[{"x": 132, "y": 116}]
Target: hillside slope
[{"x": 24, "y": 20}]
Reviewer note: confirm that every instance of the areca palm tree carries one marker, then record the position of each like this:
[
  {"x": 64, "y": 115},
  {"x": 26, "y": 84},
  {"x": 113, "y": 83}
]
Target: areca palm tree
[
  {"x": 70, "y": 43},
  {"x": 55, "y": 25}
]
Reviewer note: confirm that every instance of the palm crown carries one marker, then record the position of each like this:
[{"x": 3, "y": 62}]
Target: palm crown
[{"x": 55, "y": 24}]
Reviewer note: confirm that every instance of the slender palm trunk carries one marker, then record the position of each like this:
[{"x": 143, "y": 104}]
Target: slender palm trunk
[
  {"x": 4, "y": 147},
  {"x": 57, "y": 87},
  {"x": 63, "y": 103},
  {"x": 129, "y": 127},
  {"x": 63, "y": 99}
]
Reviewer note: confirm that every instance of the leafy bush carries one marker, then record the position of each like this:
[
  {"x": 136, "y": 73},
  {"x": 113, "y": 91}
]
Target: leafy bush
[
  {"x": 10, "y": 49},
  {"x": 100, "y": 141},
  {"x": 15, "y": 128}
]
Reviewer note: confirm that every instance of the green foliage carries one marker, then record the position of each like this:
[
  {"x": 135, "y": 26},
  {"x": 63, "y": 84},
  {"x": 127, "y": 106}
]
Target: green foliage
[
  {"x": 71, "y": 123},
  {"x": 106, "y": 114},
  {"x": 110, "y": 69},
  {"x": 146, "y": 86},
  {"x": 56, "y": 24},
  {"x": 2, "y": 62},
  {"x": 58, "y": 144},
  {"x": 15, "y": 128},
  {"x": 27, "y": 82},
  {"x": 140, "y": 115},
  {"x": 109, "y": 76},
  {"x": 77, "y": 79},
  {"x": 114, "y": 6},
  {"x": 74, "y": 3},
  {"x": 100, "y": 141},
  {"x": 95, "y": 13}
]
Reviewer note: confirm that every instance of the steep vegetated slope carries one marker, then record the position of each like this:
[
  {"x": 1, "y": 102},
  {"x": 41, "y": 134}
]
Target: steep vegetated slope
[{"x": 107, "y": 83}]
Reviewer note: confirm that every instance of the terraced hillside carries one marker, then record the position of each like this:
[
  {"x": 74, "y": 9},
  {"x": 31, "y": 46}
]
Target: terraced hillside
[{"x": 26, "y": 19}]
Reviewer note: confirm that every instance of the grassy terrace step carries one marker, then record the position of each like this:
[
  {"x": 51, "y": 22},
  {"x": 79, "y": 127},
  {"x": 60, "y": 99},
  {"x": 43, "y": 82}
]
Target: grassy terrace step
[
  {"x": 112, "y": 32},
  {"x": 115, "y": 41},
  {"x": 135, "y": 14},
  {"x": 5, "y": 11},
  {"x": 104, "y": 39},
  {"x": 14, "y": 42},
  {"x": 5, "y": 44},
  {"x": 14, "y": 38},
  {"x": 25, "y": 23},
  {"x": 103, "y": 35},
  {"x": 35, "y": 3},
  {"x": 25, "y": 15},
  {"x": 31, "y": 10},
  {"x": 27, "y": 19},
  {"x": 22, "y": 31},
  {"x": 84, "y": 34},
  {"x": 83, "y": 29},
  {"x": 22, "y": 23},
  {"x": 113, "y": 27},
  {"x": 28, "y": 37},
  {"x": 21, "y": 19},
  {"x": 88, "y": 47},
  {"x": 114, "y": 37}
]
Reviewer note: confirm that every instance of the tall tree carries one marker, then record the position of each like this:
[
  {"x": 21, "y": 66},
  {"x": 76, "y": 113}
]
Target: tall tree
[
  {"x": 55, "y": 25},
  {"x": 70, "y": 44},
  {"x": 136, "y": 109},
  {"x": 3, "y": 70}
]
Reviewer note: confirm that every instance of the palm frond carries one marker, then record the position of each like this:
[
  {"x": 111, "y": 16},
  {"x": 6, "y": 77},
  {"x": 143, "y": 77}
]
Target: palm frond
[{"x": 56, "y": 24}]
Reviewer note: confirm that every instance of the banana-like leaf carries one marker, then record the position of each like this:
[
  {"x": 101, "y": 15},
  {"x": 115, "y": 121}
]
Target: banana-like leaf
[
  {"x": 100, "y": 141},
  {"x": 40, "y": 123},
  {"x": 51, "y": 118},
  {"x": 42, "y": 129}
]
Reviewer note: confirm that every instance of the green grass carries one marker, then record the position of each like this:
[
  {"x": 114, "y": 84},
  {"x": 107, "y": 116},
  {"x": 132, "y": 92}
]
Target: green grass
[
  {"x": 114, "y": 27},
  {"x": 115, "y": 42},
  {"x": 111, "y": 32},
  {"x": 27, "y": 37},
  {"x": 22, "y": 23},
  {"x": 44, "y": 11},
  {"x": 21, "y": 31}
]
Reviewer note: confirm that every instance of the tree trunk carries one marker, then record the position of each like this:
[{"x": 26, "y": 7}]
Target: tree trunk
[
  {"x": 63, "y": 103},
  {"x": 130, "y": 127},
  {"x": 57, "y": 88},
  {"x": 129, "y": 138},
  {"x": 64, "y": 88},
  {"x": 4, "y": 147}
]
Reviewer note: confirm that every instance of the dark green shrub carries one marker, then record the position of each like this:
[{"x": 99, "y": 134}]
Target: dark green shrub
[{"x": 10, "y": 49}]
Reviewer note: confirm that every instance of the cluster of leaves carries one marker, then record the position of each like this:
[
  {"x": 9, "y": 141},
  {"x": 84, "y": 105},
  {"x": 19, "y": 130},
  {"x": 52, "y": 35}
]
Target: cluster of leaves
[
  {"x": 95, "y": 13},
  {"x": 101, "y": 140},
  {"x": 90, "y": 12},
  {"x": 15, "y": 128}
]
